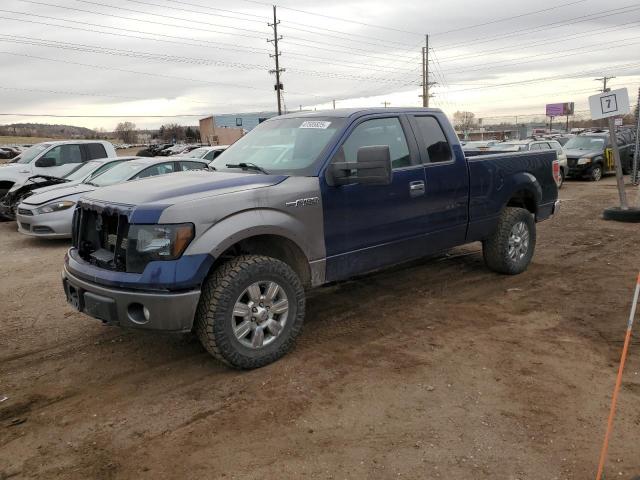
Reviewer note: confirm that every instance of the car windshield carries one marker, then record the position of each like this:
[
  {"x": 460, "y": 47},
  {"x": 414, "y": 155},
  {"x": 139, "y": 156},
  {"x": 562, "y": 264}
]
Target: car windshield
[
  {"x": 118, "y": 174},
  {"x": 285, "y": 145},
  {"x": 28, "y": 155},
  {"x": 585, "y": 143},
  {"x": 508, "y": 146},
  {"x": 81, "y": 171},
  {"x": 197, "y": 153}
]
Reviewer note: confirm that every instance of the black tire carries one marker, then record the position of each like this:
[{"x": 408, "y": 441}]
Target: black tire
[
  {"x": 595, "y": 175},
  {"x": 632, "y": 215},
  {"x": 495, "y": 249},
  {"x": 221, "y": 290}
]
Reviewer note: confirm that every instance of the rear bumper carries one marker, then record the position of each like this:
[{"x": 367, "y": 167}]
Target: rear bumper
[{"x": 172, "y": 312}]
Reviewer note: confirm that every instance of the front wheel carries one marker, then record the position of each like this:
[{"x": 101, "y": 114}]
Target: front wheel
[
  {"x": 562, "y": 178},
  {"x": 510, "y": 248},
  {"x": 596, "y": 173},
  {"x": 251, "y": 310}
]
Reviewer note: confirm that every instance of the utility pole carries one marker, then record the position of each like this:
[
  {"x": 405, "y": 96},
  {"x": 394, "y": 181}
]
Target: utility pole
[
  {"x": 334, "y": 103},
  {"x": 386, "y": 104},
  {"x": 604, "y": 82},
  {"x": 278, "y": 86},
  {"x": 425, "y": 74}
]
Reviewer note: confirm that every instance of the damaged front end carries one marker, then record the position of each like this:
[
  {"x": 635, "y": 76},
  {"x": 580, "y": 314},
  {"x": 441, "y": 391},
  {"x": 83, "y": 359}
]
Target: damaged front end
[{"x": 9, "y": 203}]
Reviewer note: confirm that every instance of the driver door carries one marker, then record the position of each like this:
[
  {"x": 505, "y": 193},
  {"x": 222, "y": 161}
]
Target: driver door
[{"x": 370, "y": 226}]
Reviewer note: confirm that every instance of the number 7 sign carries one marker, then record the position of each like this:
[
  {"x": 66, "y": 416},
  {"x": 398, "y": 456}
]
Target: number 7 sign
[{"x": 609, "y": 104}]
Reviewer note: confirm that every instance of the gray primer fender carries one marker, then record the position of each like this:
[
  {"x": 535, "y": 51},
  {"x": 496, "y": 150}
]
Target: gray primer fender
[{"x": 224, "y": 220}]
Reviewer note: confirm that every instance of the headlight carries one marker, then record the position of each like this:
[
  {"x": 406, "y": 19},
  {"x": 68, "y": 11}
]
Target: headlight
[
  {"x": 584, "y": 161},
  {"x": 146, "y": 243},
  {"x": 55, "y": 207}
]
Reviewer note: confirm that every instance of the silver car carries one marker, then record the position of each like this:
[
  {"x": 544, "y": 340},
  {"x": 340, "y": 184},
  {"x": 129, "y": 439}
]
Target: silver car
[{"x": 49, "y": 214}]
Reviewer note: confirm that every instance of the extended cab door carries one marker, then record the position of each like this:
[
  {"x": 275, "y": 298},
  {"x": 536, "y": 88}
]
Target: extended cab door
[
  {"x": 446, "y": 183},
  {"x": 371, "y": 226}
]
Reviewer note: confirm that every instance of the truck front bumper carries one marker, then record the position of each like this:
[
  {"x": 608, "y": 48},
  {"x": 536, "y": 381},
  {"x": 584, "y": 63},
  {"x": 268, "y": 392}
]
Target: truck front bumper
[{"x": 169, "y": 311}]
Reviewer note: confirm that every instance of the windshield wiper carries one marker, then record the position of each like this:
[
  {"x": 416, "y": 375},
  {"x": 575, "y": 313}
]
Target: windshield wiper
[
  {"x": 247, "y": 166},
  {"x": 90, "y": 183}
]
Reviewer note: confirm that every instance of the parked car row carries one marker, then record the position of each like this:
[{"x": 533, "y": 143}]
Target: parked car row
[
  {"x": 40, "y": 190},
  {"x": 588, "y": 154}
]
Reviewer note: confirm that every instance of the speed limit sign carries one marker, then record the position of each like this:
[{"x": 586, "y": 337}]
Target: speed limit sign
[{"x": 609, "y": 104}]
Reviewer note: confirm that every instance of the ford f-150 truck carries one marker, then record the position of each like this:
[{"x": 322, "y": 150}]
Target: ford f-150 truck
[{"x": 302, "y": 200}]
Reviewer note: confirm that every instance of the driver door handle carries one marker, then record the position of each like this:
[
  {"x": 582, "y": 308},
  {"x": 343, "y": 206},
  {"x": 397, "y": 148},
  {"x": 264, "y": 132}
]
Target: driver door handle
[{"x": 417, "y": 188}]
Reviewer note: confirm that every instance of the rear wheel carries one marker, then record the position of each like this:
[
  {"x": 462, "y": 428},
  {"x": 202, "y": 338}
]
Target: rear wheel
[
  {"x": 510, "y": 248},
  {"x": 251, "y": 310}
]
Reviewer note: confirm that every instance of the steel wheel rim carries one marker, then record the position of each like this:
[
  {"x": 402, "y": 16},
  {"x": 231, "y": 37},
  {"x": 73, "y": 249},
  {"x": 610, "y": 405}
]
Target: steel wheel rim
[
  {"x": 518, "y": 241},
  {"x": 260, "y": 314}
]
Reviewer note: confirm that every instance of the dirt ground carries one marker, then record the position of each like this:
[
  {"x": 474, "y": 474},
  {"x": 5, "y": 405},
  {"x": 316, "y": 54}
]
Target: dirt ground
[{"x": 438, "y": 369}]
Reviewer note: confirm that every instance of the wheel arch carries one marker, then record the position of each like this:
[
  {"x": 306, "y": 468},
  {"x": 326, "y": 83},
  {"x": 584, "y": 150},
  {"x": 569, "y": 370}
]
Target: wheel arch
[
  {"x": 526, "y": 193},
  {"x": 272, "y": 245}
]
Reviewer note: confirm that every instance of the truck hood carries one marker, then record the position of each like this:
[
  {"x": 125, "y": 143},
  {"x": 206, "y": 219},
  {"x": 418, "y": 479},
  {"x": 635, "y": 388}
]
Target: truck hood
[
  {"x": 46, "y": 195},
  {"x": 16, "y": 172},
  {"x": 574, "y": 153},
  {"x": 179, "y": 187}
]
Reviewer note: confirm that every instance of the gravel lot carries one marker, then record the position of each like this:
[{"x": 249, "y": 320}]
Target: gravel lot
[{"x": 438, "y": 369}]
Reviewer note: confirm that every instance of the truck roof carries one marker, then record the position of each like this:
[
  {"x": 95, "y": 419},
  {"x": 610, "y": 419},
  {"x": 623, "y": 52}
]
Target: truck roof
[{"x": 356, "y": 112}]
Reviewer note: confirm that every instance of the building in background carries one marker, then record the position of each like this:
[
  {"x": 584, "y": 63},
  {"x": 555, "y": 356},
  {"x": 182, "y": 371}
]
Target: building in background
[
  {"x": 212, "y": 133},
  {"x": 247, "y": 121}
]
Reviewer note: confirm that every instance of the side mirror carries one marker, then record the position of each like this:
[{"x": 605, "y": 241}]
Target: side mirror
[
  {"x": 46, "y": 162},
  {"x": 373, "y": 167}
]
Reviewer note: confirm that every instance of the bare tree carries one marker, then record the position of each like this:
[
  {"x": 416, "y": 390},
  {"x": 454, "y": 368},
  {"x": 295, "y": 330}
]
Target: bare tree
[
  {"x": 172, "y": 132},
  {"x": 464, "y": 121},
  {"x": 126, "y": 132}
]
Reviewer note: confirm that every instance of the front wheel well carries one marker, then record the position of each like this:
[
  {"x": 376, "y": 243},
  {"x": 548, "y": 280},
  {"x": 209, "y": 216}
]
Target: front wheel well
[
  {"x": 524, "y": 199},
  {"x": 274, "y": 246}
]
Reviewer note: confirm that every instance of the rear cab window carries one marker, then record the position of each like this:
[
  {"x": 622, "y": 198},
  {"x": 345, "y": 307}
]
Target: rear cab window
[
  {"x": 434, "y": 146},
  {"x": 95, "y": 150}
]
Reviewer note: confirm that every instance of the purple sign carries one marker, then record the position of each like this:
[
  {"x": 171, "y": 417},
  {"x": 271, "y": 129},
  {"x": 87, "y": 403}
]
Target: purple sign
[{"x": 555, "y": 109}]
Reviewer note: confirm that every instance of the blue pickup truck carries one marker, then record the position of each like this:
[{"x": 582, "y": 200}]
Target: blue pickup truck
[{"x": 303, "y": 200}]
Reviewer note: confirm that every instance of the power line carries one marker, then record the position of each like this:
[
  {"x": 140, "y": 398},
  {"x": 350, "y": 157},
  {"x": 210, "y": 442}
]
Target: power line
[
  {"x": 555, "y": 54},
  {"x": 556, "y": 77},
  {"x": 213, "y": 45},
  {"x": 138, "y": 20},
  {"x": 547, "y": 26},
  {"x": 337, "y": 18},
  {"x": 500, "y": 20},
  {"x": 83, "y": 94},
  {"x": 529, "y": 45},
  {"x": 174, "y": 59}
]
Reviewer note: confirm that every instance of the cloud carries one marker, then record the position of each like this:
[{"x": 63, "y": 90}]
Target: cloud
[{"x": 174, "y": 57}]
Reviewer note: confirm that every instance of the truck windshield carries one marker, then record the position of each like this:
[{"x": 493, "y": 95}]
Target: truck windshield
[
  {"x": 585, "y": 143},
  {"x": 286, "y": 145},
  {"x": 32, "y": 152}
]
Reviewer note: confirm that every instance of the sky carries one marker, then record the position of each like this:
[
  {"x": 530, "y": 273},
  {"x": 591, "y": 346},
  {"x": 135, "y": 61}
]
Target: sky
[{"x": 160, "y": 61}]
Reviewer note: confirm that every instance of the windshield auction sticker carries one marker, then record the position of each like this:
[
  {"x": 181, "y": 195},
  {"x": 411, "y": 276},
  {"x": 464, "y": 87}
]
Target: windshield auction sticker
[{"x": 315, "y": 124}]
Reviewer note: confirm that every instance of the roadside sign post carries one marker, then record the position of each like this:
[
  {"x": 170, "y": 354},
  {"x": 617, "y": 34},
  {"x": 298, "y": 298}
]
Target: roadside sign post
[{"x": 608, "y": 105}]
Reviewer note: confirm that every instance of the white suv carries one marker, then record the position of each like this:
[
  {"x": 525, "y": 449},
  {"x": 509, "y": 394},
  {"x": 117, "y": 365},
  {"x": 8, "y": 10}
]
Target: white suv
[{"x": 54, "y": 159}]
